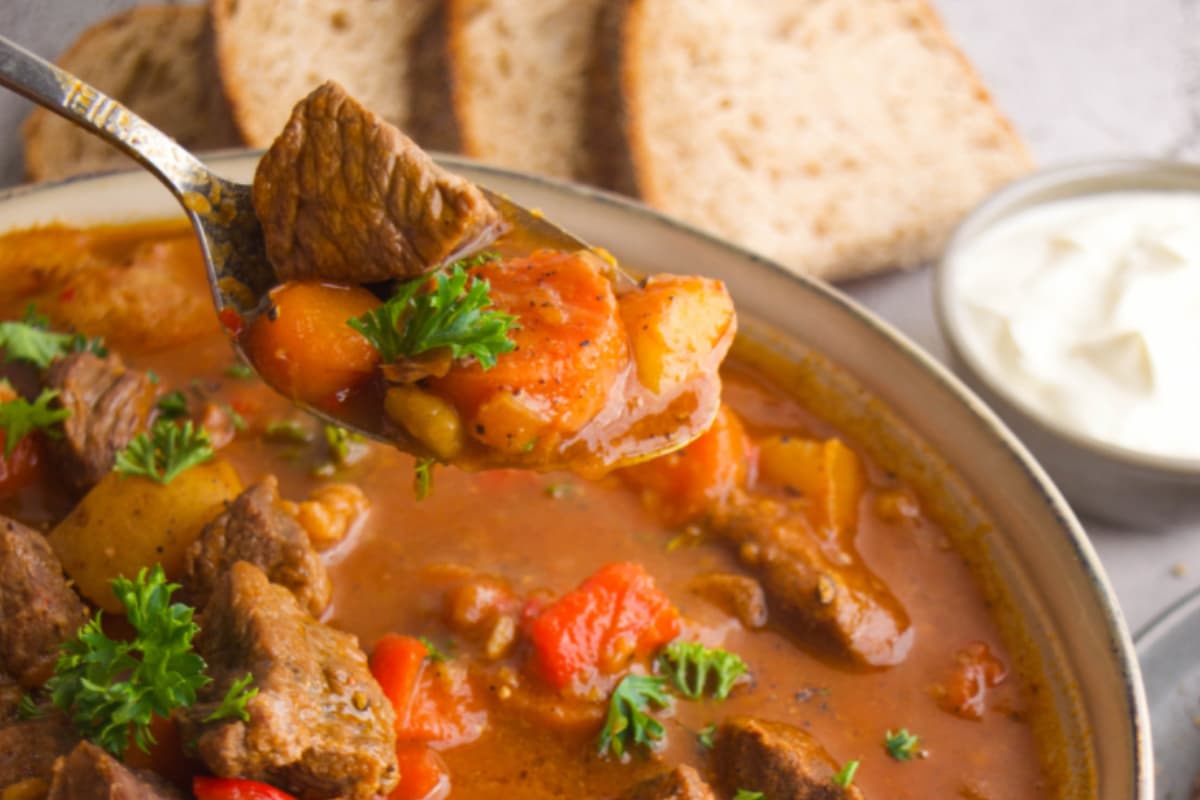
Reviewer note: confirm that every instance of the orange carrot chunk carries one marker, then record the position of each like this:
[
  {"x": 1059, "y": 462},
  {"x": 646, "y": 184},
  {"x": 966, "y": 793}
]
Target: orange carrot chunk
[
  {"x": 433, "y": 701},
  {"x": 423, "y": 774}
]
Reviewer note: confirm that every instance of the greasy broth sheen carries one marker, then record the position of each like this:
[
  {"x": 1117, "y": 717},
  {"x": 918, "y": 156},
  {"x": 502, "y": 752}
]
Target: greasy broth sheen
[{"x": 386, "y": 578}]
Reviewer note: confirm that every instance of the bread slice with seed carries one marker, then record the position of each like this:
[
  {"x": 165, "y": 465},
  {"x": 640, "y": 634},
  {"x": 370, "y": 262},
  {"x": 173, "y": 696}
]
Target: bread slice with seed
[
  {"x": 272, "y": 53},
  {"x": 517, "y": 81},
  {"x": 155, "y": 59},
  {"x": 839, "y": 137}
]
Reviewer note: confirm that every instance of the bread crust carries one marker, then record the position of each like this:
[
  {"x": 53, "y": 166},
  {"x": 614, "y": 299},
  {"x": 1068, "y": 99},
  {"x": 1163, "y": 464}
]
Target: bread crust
[
  {"x": 434, "y": 118},
  {"x": 609, "y": 132},
  {"x": 220, "y": 13}
]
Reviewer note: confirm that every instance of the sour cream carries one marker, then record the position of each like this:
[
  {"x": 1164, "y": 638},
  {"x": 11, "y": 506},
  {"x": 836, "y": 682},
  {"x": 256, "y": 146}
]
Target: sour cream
[{"x": 1088, "y": 310}]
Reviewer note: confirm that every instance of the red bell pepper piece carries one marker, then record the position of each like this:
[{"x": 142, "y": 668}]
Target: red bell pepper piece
[{"x": 206, "y": 788}]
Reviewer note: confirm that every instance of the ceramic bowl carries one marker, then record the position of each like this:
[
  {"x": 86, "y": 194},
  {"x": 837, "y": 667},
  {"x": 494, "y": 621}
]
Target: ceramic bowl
[
  {"x": 993, "y": 498},
  {"x": 1117, "y": 484}
]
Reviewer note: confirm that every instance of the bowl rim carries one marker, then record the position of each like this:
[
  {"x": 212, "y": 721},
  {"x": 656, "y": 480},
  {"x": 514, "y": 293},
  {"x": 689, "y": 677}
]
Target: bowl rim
[
  {"x": 1119, "y": 642},
  {"x": 1001, "y": 205}
]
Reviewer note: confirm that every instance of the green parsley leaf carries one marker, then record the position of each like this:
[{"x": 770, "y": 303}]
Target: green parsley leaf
[
  {"x": 435, "y": 653},
  {"x": 627, "y": 722},
  {"x": 450, "y": 314},
  {"x": 287, "y": 431},
  {"x": 902, "y": 745},
  {"x": 845, "y": 775},
  {"x": 346, "y": 446},
  {"x": 746, "y": 794},
  {"x": 30, "y": 340},
  {"x": 165, "y": 452},
  {"x": 152, "y": 376},
  {"x": 239, "y": 370},
  {"x": 172, "y": 406},
  {"x": 27, "y": 708},
  {"x": 233, "y": 704},
  {"x": 19, "y": 417},
  {"x": 691, "y": 663},
  {"x": 423, "y": 477},
  {"x": 705, "y": 736},
  {"x": 113, "y": 689}
]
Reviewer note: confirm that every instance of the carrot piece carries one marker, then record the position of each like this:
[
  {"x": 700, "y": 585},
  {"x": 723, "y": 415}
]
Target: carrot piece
[
  {"x": 828, "y": 473},
  {"x": 433, "y": 701},
  {"x": 614, "y": 616},
  {"x": 682, "y": 485},
  {"x": 305, "y": 349},
  {"x": 423, "y": 775},
  {"x": 570, "y": 349}
]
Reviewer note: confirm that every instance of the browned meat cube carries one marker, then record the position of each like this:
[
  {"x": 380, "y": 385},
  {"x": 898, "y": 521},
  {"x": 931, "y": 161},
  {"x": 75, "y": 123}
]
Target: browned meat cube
[
  {"x": 89, "y": 773},
  {"x": 344, "y": 196},
  {"x": 255, "y": 528},
  {"x": 28, "y": 749},
  {"x": 681, "y": 783},
  {"x": 816, "y": 584},
  {"x": 776, "y": 759},
  {"x": 109, "y": 405},
  {"x": 320, "y": 726},
  {"x": 38, "y": 610}
]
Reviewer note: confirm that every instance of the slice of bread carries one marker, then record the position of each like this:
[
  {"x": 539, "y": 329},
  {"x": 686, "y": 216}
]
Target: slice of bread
[
  {"x": 155, "y": 59},
  {"x": 839, "y": 137},
  {"x": 272, "y": 53},
  {"x": 517, "y": 77}
]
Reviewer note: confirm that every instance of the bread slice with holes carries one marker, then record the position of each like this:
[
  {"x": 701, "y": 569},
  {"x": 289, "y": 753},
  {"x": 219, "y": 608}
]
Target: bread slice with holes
[
  {"x": 516, "y": 75},
  {"x": 838, "y": 137},
  {"x": 155, "y": 59},
  {"x": 272, "y": 53}
]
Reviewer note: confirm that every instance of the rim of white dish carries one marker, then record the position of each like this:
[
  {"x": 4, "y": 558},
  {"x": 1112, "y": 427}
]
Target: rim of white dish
[
  {"x": 1119, "y": 642},
  {"x": 1080, "y": 179}
]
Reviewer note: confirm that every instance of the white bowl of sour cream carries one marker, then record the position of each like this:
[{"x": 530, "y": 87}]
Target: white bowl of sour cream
[{"x": 1071, "y": 299}]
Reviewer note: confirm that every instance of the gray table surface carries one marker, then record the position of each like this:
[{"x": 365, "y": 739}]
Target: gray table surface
[{"x": 1079, "y": 78}]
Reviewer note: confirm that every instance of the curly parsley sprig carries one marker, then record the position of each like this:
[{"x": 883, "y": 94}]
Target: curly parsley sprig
[
  {"x": 165, "y": 452},
  {"x": 691, "y": 664},
  {"x": 112, "y": 690},
  {"x": 19, "y": 417},
  {"x": 31, "y": 340},
  {"x": 628, "y": 722},
  {"x": 454, "y": 313}
]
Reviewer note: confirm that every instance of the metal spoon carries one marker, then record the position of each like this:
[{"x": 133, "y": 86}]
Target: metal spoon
[{"x": 221, "y": 212}]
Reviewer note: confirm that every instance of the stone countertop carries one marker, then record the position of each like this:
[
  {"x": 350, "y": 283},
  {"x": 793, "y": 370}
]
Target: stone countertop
[{"x": 1079, "y": 78}]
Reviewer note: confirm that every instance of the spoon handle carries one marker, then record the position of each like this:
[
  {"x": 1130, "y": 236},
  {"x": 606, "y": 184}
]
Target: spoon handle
[{"x": 86, "y": 106}]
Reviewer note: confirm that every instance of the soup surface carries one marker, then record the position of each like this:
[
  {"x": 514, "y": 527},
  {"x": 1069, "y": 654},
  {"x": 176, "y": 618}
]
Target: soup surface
[{"x": 934, "y": 664}]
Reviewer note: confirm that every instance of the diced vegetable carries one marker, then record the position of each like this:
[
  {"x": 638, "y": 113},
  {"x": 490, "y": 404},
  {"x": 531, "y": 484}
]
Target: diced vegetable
[
  {"x": 976, "y": 671},
  {"x": 428, "y": 418},
  {"x": 305, "y": 349},
  {"x": 22, "y": 466},
  {"x": 598, "y": 629},
  {"x": 678, "y": 327},
  {"x": 570, "y": 348},
  {"x": 125, "y": 524},
  {"x": 828, "y": 473},
  {"x": 433, "y": 700},
  {"x": 423, "y": 775},
  {"x": 683, "y": 484},
  {"x": 206, "y": 788}
]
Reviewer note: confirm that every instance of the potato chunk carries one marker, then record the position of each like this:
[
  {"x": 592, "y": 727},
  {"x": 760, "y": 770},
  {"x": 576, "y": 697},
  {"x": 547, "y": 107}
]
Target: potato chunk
[{"x": 829, "y": 474}]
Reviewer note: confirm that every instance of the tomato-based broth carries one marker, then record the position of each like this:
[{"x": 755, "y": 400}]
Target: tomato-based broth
[{"x": 950, "y": 678}]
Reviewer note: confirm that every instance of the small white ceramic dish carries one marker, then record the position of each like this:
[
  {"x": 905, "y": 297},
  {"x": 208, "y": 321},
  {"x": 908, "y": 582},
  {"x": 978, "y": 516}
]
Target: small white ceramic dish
[
  {"x": 1041, "y": 567},
  {"x": 1117, "y": 484},
  {"x": 1169, "y": 651}
]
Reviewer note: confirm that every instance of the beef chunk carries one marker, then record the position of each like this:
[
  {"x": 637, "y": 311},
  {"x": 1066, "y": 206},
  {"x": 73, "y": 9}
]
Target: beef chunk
[
  {"x": 90, "y": 773},
  {"x": 255, "y": 528},
  {"x": 320, "y": 725},
  {"x": 109, "y": 405},
  {"x": 816, "y": 584},
  {"x": 681, "y": 783},
  {"x": 776, "y": 759},
  {"x": 28, "y": 748},
  {"x": 38, "y": 610},
  {"x": 344, "y": 196}
]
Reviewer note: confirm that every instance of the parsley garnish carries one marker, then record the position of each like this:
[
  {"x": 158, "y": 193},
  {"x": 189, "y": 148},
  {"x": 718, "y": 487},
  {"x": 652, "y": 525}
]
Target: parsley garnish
[
  {"x": 239, "y": 370},
  {"x": 113, "y": 689},
  {"x": 27, "y": 708},
  {"x": 746, "y": 794},
  {"x": 902, "y": 745},
  {"x": 450, "y": 314},
  {"x": 287, "y": 431},
  {"x": 30, "y": 341},
  {"x": 165, "y": 452},
  {"x": 435, "y": 653},
  {"x": 233, "y": 704},
  {"x": 705, "y": 736},
  {"x": 845, "y": 776},
  {"x": 423, "y": 477},
  {"x": 346, "y": 446},
  {"x": 19, "y": 417},
  {"x": 627, "y": 722},
  {"x": 692, "y": 662},
  {"x": 172, "y": 406}
]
